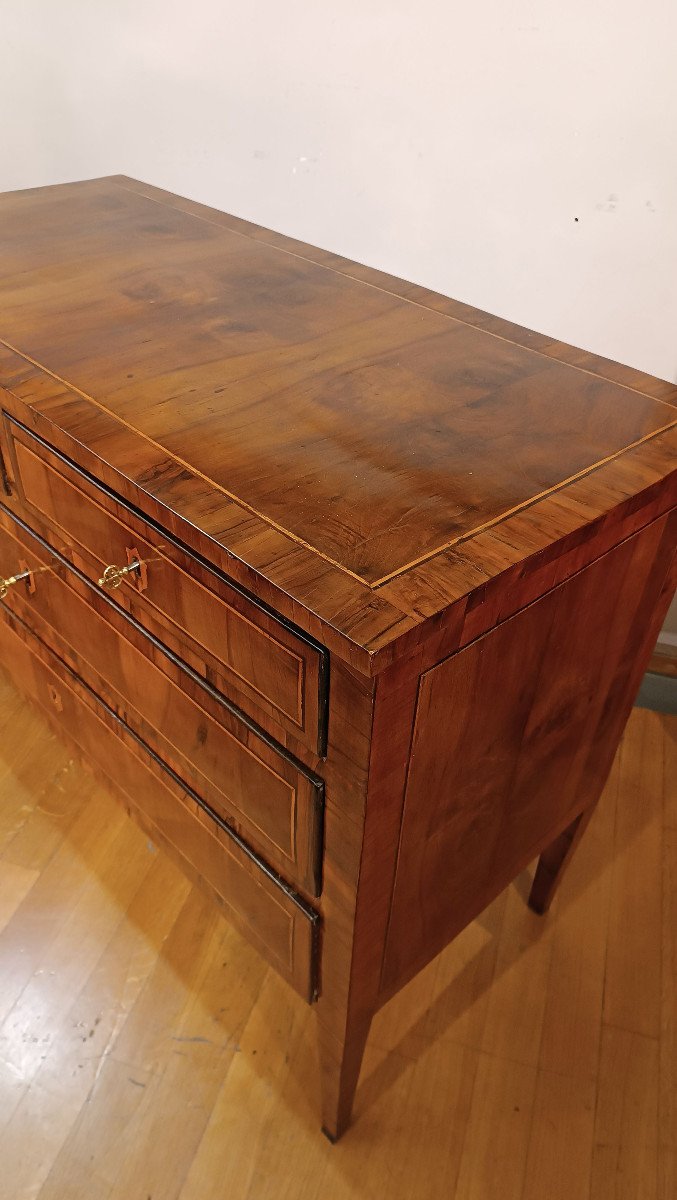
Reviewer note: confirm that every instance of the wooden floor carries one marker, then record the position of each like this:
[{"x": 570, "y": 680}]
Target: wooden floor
[{"x": 147, "y": 1054}]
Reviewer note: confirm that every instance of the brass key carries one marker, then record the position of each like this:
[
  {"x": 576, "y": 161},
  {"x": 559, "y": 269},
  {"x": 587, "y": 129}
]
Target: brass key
[
  {"x": 6, "y": 584},
  {"x": 114, "y": 575}
]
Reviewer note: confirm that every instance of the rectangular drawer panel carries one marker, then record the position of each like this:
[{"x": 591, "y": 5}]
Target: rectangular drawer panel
[
  {"x": 269, "y": 798},
  {"x": 239, "y": 643},
  {"x": 267, "y": 913}
]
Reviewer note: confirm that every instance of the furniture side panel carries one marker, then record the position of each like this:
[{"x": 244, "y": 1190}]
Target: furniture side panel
[{"x": 514, "y": 737}]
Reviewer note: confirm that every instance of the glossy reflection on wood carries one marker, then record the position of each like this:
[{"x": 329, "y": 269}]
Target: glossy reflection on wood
[
  {"x": 390, "y": 573},
  {"x": 146, "y": 1048},
  {"x": 229, "y": 635},
  {"x": 331, "y": 427},
  {"x": 513, "y": 738},
  {"x": 278, "y": 374},
  {"x": 270, "y": 798}
]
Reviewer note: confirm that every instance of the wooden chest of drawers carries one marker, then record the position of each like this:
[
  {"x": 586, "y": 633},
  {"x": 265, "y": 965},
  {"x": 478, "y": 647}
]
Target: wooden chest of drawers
[{"x": 345, "y": 587}]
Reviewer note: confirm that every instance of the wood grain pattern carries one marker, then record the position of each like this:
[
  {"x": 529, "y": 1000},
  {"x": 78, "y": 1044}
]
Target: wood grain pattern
[
  {"x": 401, "y": 556},
  {"x": 275, "y": 378},
  {"x": 277, "y": 923},
  {"x": 255, "y": 653},
  {"x": 267, "y": 796},
  {"x": 648, "y": 385},
  {"x": 183, "y": 1090},
  {"x": 367, "y": 628},
  {"x": 509, "y": 748},
  {"x": 319, "y": 473}
]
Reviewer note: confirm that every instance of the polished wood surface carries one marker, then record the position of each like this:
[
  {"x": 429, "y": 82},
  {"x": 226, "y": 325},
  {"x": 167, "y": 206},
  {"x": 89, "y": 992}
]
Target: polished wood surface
[
  {"x": 372, "y": 457},
  {"x": 271, "y": 799},
  {"x": 225, "y": 633},
  {"x": 274, "y": 920},
  {"x": 513, "y": 739},
  {"x": 278, "y": 371},
  {"x": 147, "y": 1050},
  {"x": 392, "y": 573}
]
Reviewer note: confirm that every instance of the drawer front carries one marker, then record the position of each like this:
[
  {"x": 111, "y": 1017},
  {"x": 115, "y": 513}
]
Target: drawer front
[
  {"x": 227, "y": 636},
  {"x": 252, "y": 784},
  {"x": 267, "y": 913}
]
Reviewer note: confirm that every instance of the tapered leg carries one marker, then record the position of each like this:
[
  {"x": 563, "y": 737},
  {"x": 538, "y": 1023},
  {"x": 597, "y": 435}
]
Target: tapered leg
[
  {"x": 340, "y": 1062},
  {"x": 554, "y": 860}
]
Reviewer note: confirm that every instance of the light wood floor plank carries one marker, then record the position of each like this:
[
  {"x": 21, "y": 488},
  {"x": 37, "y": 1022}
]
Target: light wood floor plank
[
  {"x": 25, "y": 941},
  {"x": 165, "y": 1137},
  {"x": 572, "y": 1020},
  {"x": 51, "y": 1100},
  {"x": 58, "y": 800},
  {"x": 25, "y": 775},
  {"x": 667, "y": 1097},
  {"x": 625, "y": 1154},
  {"x": 15, "y": 883},
  {"x": 633, "y": 961},
  {"x": 133, "y": 1071},
  {"x": 670, "y": 772},
  {"x": 146, "y": 1050},
  {"x": 561, "y": 1138},
  {"x": 494, "y": 1156},
  {"x": 517, "y": 996}
]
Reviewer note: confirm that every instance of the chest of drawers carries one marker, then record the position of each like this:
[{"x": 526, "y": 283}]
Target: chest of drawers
[{"x": 344, "y": 587}]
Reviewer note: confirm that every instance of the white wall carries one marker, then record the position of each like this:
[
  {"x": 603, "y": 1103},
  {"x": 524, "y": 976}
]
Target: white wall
[{"x": 454, "y": 144}]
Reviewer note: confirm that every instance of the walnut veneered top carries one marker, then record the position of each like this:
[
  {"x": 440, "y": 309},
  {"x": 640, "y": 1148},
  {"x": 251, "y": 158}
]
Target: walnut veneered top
[{"x": 368, "y": 427}]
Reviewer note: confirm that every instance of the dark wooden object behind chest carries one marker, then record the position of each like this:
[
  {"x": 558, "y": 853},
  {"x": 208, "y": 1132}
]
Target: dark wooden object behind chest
[{"x": 345, "y": 587}]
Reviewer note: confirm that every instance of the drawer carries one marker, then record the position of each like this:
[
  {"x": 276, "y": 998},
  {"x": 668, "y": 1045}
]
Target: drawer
[
  {"x": 268, "y": 914},
  {"x": 249, "y": 781},
  {"x": 223, "y": 632}
]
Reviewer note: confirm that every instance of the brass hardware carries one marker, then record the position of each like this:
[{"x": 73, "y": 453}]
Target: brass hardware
[
  {"x": 113, "y": 576},
  {"x": 6, "y": 584}
]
